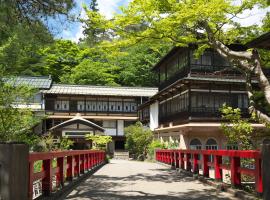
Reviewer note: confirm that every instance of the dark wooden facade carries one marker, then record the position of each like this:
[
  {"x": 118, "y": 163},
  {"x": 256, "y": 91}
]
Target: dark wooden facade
[{"x": 194, "y": 89}]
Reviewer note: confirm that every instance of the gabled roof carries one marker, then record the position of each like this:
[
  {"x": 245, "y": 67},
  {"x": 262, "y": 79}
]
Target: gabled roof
[
  {"x": 78, "y": 120},
  {"x": 101, "y": 90},
  {"x": 39, "y": 82}
]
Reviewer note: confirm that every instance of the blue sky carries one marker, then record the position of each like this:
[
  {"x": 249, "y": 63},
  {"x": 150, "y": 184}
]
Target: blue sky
[{"x": 74, "y": 31}]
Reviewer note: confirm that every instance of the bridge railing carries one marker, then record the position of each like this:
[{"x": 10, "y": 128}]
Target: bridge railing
[
  {"x": 219, "y": 160},
  {"x": 58, "y": 167}
]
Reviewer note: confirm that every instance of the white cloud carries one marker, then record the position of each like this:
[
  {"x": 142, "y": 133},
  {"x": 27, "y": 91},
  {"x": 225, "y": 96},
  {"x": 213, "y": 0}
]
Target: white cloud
[
  {"x": 109, "y": 7},
  {"x": 252, "y": 17}
]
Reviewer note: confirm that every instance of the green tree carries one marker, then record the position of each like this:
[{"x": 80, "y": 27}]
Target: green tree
[
  {"x": 136, "y": 63},
  {"x": 138, "y": 139},
  {"x": 91, "y": 72},
  {"x": 99, "y": 141},
  {"x": 16, "y": 123},
  {"x": 236, "y": 129},
  {"x": 192, "y": 22},
  {"x": 59, "y": 58}
]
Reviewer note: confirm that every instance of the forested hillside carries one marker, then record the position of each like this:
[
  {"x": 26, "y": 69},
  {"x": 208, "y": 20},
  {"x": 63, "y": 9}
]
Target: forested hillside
[{"x": 28, "y": 47}]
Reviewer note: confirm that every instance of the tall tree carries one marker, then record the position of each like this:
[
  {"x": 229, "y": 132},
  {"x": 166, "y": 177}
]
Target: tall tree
[{"x": 204, "y": 23}]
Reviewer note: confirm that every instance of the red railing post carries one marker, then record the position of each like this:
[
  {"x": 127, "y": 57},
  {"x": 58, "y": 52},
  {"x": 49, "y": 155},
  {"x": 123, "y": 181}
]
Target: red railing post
[
  {"x": 258, "y": 175},
  {"x": 176, "y": 157},
  {"x": 70, "y": 169},
  {"x": 235, "y": 174},
  {"x": 90, "y": 160},
  {"x": 188, "y": 156},
  {"x": 82, "y": 163},
  {"x": 182, "y": 162},
  {"x": 218, "y": 170},
  {"x": 205, "y": 166},
  {"x": 195, "y": 164},
  {"x": 87, "y": 161},
  {"x": 47, "y": 181},
  {"x": 60, "y": 175},
  {"x": 77, "y": 165},
  {"x": 172, "y": 158},
  {"x": 31, "y": 174}
]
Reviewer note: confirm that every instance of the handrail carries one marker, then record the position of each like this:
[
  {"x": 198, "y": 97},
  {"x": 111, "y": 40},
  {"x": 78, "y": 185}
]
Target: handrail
[
  {"x": 189, "y": 160},
  {"x": 68, "y": 165}
]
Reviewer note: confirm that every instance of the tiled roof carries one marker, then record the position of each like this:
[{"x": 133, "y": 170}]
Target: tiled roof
[
  {"x": 40, "y": 82},
  {"x": 101, "y": 90}
]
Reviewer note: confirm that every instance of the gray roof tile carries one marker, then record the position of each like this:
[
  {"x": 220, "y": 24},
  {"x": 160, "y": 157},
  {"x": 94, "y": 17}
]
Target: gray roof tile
[{"x": 101, "y": 90}]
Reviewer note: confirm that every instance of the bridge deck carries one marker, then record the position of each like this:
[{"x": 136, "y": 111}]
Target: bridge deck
[{"x": 124, "y": 180}]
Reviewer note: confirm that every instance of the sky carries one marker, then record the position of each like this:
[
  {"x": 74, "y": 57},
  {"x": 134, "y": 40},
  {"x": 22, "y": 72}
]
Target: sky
[{"x": 74, "y": 31}]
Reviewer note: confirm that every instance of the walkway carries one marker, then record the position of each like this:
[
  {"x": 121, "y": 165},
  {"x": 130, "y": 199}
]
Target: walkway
[{"x": 124, "y": 180}]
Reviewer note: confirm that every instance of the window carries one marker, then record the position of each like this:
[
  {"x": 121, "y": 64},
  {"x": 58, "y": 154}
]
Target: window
[
  {"x": 61, "y": 105},
  {"x": 195, "y": 144},
  {"x": 211, "y": 144},
  {"x": 91, "y": 106},
  {"x": 80, "y": 105}
]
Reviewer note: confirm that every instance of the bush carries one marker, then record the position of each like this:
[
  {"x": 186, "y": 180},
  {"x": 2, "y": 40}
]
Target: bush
[
  {"x": 155, "y": 144},
  {"x": 138, "y": 139}
]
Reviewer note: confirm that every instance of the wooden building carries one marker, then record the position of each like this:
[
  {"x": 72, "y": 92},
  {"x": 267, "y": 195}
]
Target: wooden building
[
  {"x": 111, "y": 109},
  {"x": 192, "y": 90}
]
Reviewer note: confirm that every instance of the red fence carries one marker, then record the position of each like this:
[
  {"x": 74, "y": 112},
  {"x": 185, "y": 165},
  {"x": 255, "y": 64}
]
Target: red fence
[
  {"x": 68, "y": 165},
  {"x": 191, "y": 160}
]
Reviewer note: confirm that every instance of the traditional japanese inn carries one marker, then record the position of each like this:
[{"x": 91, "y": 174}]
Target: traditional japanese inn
[{"x": 186, "y": 110}]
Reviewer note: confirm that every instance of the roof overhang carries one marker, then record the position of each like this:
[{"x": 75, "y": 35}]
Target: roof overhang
[
  {"x": 216, "y": 125},
  {"x": 78, "y": 120},
  {"x": 261, "y": 42}
]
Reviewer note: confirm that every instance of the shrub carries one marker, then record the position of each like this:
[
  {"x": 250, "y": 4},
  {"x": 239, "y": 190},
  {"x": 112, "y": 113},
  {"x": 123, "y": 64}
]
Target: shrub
[
  {"x": 155, "y": 144},
  {"x": 138, "y": 139}
]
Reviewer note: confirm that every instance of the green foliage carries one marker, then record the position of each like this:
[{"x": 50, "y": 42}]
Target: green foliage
[
  {"x": 155, "y": 144},
  {"x": 45, "y": 144},
  {"x": 236, "y": 129},
  {"x": 59, "y": 58},
  {"x": 138, "y": 139},
  {"x": 91, "y": 72},
  {"x": 65, "y": 143},
  {"x": 137, "y": 61},
  {"x": 99, "y": 141},
  {"x": 16, "y": 123}
]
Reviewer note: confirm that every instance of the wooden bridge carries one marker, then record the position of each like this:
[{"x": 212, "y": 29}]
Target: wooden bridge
[{"x": 67, "y": 174}]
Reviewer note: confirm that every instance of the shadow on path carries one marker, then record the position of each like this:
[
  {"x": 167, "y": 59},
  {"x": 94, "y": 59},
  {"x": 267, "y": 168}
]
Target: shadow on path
[{"x": 150, "y": 181}]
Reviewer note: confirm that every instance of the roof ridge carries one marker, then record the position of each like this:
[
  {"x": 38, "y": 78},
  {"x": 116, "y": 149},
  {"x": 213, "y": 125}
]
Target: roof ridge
[
  {"x": 105, "y": 86},
  {"x": 33, "y": 77}
]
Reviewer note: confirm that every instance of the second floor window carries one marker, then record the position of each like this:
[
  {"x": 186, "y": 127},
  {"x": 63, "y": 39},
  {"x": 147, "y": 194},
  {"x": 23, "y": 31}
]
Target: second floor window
[{"x": 61, "y": 105}]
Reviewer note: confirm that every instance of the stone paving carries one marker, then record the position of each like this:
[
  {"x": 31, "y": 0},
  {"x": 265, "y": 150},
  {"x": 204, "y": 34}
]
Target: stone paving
[{"x": 124, "y": 180}]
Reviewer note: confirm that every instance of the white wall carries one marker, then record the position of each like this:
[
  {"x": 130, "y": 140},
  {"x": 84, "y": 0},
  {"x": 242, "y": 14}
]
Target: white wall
[
  {"x": 154, "y": 116},
  {"x": 110, "y": 131},
  {"x": 120, "y": 127}
]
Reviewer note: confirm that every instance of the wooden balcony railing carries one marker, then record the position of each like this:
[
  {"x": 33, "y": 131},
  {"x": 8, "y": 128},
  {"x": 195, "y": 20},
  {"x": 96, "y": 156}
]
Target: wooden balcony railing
[
  {"x": 68, "y": 164},
  {"x": 200, "y": 161}
]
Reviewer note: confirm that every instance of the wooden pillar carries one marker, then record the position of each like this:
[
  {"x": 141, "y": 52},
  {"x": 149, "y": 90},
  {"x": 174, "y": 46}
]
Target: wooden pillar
[
  {"x": 218, "y": 170},
  {"x": 47, "y": 181},
  {"x": 70, "y": 169},
  {"x": 60, "y": 176},
  {"x": 265, "y": 172},
  {"x": 15, "y": 171},
  {"x": 235, "y": 174},
  {"x": 205, "y": 166}
]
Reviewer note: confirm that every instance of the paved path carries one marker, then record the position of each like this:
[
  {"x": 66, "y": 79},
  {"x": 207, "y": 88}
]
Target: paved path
[{"x": 124, "y": 180}]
